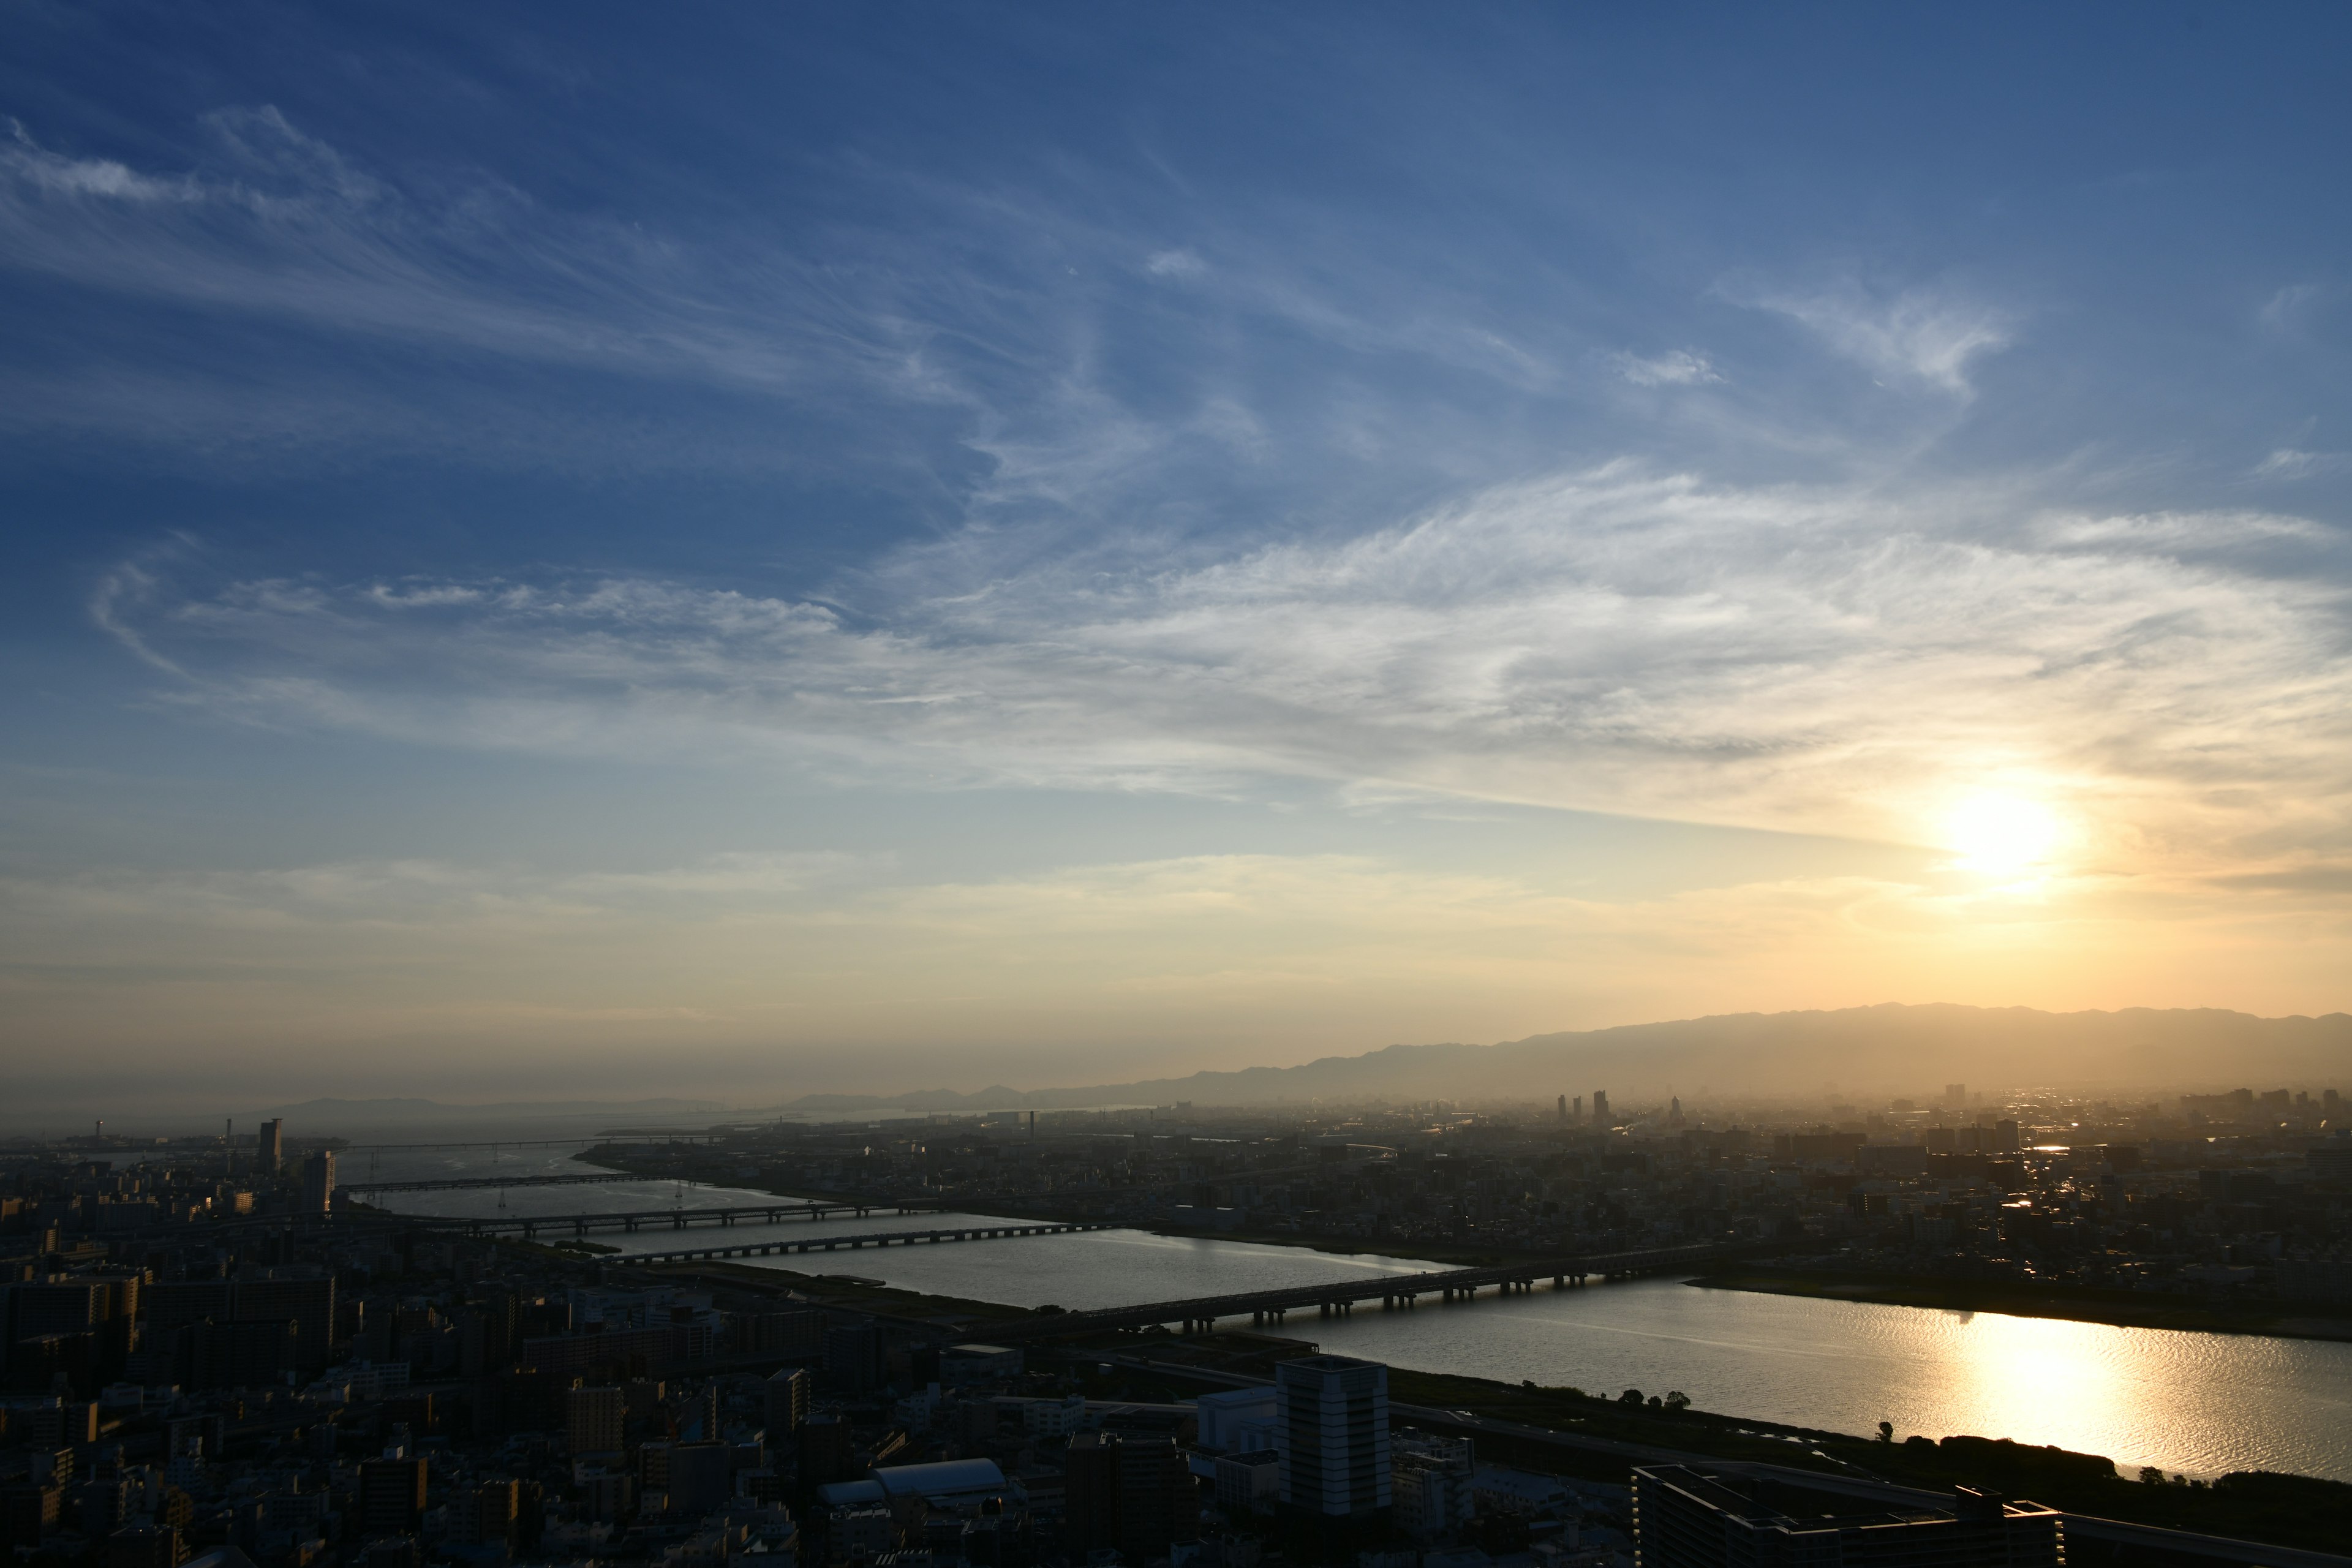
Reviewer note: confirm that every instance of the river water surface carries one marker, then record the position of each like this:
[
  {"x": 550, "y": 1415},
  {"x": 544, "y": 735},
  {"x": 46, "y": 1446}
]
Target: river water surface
[{"x": 2197, "y": 1403}]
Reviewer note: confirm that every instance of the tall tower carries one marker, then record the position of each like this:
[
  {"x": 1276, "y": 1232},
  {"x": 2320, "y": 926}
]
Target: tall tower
[
  {"x": 1332, "y": 1416},
  {"x": 318, "y": 1182},
  {"x": 270, "y": 1158},
  {"x": 1563, "y": 1107},
  {"x": 1600, "y": 1108}
]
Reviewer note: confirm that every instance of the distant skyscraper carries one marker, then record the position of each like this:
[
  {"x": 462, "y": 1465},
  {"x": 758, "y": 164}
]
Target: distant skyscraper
[
  {"x": 1332, "y": 1432},
  {"x": 1956, "y": 1094},
  {"x": 270, "y": 1158},
  {"x": 318, "y": 1182},
  {"x": 1600, "y": 1108},
  {"x": 1563, "y": 1107},
  {"x": 1578, "y": 1114},
  {"x": 1675, "y": 1112}
]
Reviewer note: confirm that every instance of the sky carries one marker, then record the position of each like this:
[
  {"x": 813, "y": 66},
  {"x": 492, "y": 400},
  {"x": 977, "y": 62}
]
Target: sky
[{"x": 745, "y": 550}]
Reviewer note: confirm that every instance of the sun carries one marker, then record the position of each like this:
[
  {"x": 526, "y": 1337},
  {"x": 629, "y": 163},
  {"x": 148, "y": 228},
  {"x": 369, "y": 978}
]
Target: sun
[{"x": 2002, "y": 835}]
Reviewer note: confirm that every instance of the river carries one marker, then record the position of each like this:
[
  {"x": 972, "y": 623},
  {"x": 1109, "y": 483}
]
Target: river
[{"x": 2196, "y": 1403}]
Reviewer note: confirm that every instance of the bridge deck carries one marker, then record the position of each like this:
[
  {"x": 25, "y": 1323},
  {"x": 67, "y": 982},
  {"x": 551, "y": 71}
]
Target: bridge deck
[
  {"x": 484, "y": 1183},
  {"x": 1341, "y": 1295},
  {"x": 871, "y": 1239},
  {"x": 530, "y": 1226}
]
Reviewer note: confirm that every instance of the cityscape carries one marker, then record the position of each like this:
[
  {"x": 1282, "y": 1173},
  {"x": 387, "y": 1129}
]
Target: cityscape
[
  {"x": 260, "y": 1343},
  {"x": 1002, "y": 784}
]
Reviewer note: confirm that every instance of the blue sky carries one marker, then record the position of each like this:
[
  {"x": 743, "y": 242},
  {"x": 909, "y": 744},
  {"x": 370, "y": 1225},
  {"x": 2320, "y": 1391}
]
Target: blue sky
[{"x": 763, "y": 548}]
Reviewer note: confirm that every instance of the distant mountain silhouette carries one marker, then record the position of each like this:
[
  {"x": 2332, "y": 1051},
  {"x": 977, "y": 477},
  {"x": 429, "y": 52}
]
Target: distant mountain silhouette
[{"x": 1890, "y": 1049}]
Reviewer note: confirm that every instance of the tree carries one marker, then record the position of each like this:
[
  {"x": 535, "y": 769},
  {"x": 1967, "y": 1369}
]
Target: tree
[{"x": 1886, "y": 1431}]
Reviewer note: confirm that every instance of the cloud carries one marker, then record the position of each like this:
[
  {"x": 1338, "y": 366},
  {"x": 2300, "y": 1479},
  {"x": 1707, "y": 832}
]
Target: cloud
[
  {"x": 2288, "y": 307},
  {"x": 27, "y": 162},
  {"x": 1817, "y": 659},
  {"x": 1919, "y": 335},
  {"x": 2289, "y": 464},
  {"x": 272, "y": 223},
  {"x": 1678, "y": 367},
  {"x": 1175, "y": 264}
]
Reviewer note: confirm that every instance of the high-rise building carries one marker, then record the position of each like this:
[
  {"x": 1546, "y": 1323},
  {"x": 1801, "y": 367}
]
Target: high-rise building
[
  {"x": 318, "y": 1182},
  {"x": 392, "y": 1495},
  {"x": 301, "y": 1294},
  {"x": 828, "y": 1449},
  {"x": 270, "y": 1154},
  {"x": 1158, "y": 1504},
  {"x": 488, "y": 1517},
  {"x": 787, "y": 1403},
  {"x": 593, "y": 1420},
  {"x": 1090, "y": 1494},
  {"x": 1432, "y": 1485},
  {"x": 853, "y": 1358},
  {"x": 700, "y": 1476},
  {"x": 1600, "y": 1108},
  {"x": 1956, "y": 1094},
  {"x": 1684, "y": 1518},
  {"x": 1563, "y": 1107},
  {"x": 1332, "y": 1432}
]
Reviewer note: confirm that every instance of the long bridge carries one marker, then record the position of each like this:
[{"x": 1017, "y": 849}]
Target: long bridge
[
  {"x": 1390, "y": 1290},
  {"x": 530, "y": 1227},
  {"x": 772, "y": 1248},
  {"x": 484, "y": 1183}
]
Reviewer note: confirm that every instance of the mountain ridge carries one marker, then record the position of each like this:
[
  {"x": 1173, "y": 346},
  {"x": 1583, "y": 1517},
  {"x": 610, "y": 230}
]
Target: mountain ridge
[{"x": 1892, "y": 1046}]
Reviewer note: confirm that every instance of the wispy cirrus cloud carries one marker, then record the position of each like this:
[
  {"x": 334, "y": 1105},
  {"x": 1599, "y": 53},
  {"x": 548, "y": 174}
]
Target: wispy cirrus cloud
[
  {"x": 1675, "y": 367},
  {"x": 2288, "y": 463},
  {"x": 1800, "y": 657},
  {"x": 1919, "y": 335}
]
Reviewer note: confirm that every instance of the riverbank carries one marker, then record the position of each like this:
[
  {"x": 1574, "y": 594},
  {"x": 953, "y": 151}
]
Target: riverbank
[{"x": 2121, "y": 1309}]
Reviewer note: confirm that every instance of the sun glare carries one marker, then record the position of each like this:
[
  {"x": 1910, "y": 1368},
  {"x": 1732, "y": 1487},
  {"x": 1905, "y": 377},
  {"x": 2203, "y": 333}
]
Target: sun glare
[{"x": 2001, "y": 835}]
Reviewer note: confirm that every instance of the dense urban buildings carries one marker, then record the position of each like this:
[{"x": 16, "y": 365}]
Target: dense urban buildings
[{"x": 203, "y": 1357}]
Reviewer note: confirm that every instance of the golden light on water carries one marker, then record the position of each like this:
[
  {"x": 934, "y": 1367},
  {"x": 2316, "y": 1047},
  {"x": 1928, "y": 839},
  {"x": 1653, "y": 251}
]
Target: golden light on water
[{"x": 2002, "y": 835}]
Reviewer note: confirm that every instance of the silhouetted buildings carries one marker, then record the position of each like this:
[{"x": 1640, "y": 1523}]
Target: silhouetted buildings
[
  {"x": 1128, "y": 1492},
  {"x": 1332, "y": 1432}
]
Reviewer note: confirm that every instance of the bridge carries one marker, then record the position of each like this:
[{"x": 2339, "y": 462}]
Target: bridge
[
  {"x": 1392, "y": 1292},
  {"x": 872, "y": 1238},
  {"x": 483, "y": 1184},
  {"x": 634, "y": 1135},
  {"x": 530, "y": 1226}
]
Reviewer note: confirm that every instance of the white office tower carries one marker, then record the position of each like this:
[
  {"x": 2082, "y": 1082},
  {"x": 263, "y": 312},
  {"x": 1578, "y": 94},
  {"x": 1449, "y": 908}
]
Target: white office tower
[{"x": 1332, "y": 1432}]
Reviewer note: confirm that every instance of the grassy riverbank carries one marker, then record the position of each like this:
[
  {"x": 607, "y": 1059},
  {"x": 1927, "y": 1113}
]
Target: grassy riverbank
[{"x": 2123, "y": 1309}]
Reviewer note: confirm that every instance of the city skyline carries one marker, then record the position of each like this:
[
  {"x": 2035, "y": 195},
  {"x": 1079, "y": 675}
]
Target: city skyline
[{"x": 827, "y": 549}]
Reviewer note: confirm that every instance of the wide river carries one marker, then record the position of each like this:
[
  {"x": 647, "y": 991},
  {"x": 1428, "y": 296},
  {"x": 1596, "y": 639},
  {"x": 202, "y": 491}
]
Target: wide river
[{"x": 2195, "y": 1404}]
